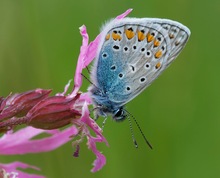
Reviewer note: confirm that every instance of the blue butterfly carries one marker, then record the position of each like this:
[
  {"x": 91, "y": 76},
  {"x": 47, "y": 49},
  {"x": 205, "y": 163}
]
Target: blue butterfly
[{"x": 133, "y": 52}]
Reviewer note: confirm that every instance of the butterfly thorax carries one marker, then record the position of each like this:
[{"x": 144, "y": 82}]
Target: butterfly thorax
[{"x": 103, "y": 106}]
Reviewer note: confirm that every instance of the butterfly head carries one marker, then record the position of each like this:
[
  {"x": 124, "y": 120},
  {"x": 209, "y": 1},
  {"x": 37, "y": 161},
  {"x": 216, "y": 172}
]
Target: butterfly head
[
  {"x": 119, "y": 114},
  {"x": 104, "y": 107}
]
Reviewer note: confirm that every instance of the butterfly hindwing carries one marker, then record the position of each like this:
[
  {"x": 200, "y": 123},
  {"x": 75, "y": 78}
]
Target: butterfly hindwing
[{"x": 134, "y": 52}]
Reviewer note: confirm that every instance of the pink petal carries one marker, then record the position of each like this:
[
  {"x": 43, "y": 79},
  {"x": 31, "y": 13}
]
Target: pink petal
[
  {"x": 124, "y": 14},
  {"x": 92, "y": 124},
  {"x": 88, "y": 53},
  {"x": 85, "y": 97},
  {"x": 80, "y": 64},
  {"x": 20, "y": 142},
  {"x": 12, "y": 171},
  {"x": 65, "y": 89},
  {"x": 100, "y": 158}
]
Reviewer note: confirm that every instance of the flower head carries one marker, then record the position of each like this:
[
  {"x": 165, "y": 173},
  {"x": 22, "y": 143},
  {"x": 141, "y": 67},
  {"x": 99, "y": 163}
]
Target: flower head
[
  {"x": 19, "y": 104},
  {"x": 46, "y": 114}
]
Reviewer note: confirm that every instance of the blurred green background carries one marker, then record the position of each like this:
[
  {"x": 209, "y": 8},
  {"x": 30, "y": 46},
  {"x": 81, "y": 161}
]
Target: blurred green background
[{"x": 179, "y": 113}]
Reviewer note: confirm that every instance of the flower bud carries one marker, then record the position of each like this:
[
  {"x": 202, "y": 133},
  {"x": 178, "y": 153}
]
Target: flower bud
[
  {"x": 19, "y": 104},
  {"x": 53, "y": 112}
]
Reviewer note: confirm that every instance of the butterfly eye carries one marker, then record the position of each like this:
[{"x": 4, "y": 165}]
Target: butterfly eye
[{"x": 119, "y": 115}]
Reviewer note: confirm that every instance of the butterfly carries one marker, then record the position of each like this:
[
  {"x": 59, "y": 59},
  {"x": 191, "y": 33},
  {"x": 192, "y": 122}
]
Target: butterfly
[{"x": 133, "y": 52}]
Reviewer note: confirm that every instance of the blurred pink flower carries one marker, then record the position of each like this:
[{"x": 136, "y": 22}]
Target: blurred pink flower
[
  {"x": 10, "y": 170},
  {"x": 22, "y": 142},
  {"x": 48, "y": 113}
]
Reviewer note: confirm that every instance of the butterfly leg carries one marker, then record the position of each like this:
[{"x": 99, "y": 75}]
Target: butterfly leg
[
  {"x": 96, "y": 114},
  {"x": 103, "y": 123}
]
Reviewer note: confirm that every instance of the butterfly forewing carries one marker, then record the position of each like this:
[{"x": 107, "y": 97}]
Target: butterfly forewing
[
  {"x": 134, "y": 52},
  {"x": 178, "y": 35}
]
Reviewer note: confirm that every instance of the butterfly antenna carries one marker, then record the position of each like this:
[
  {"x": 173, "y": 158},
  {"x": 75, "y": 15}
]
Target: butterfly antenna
[
  {"x": 148, "y": 143},
  {"x": 103, "y": 123},
  {"x": 87, "y": 79},
  {"x": 90, "y": 81},
  {"x": 132, "y": 133},
  {"x": 88, "y": 70}
]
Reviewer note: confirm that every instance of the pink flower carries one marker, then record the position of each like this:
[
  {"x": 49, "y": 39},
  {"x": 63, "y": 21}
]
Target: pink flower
[
  {"x": 46, "y": 114},
  {"x": 10, "y": 171},
  {"x": 21, "y": 142}
]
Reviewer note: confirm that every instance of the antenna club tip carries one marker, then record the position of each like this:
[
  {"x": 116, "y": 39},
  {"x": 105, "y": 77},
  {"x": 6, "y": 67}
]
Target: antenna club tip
[{"x": 135, "y": 144}]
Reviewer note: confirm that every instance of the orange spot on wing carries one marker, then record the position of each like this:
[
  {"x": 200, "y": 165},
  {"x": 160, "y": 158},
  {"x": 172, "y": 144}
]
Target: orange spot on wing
[
  {"x": 107, "y": 36},
  {"x": 141, "y": 36},
  {"x": 116, "y": 36},
  {"x": 129, "y": 33},
  {"x": 156, "y": 43},
  {"x": 158, "y": 65},
  {"x": 149, "y": 37},
  {"x": 158, "y": 54}
]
